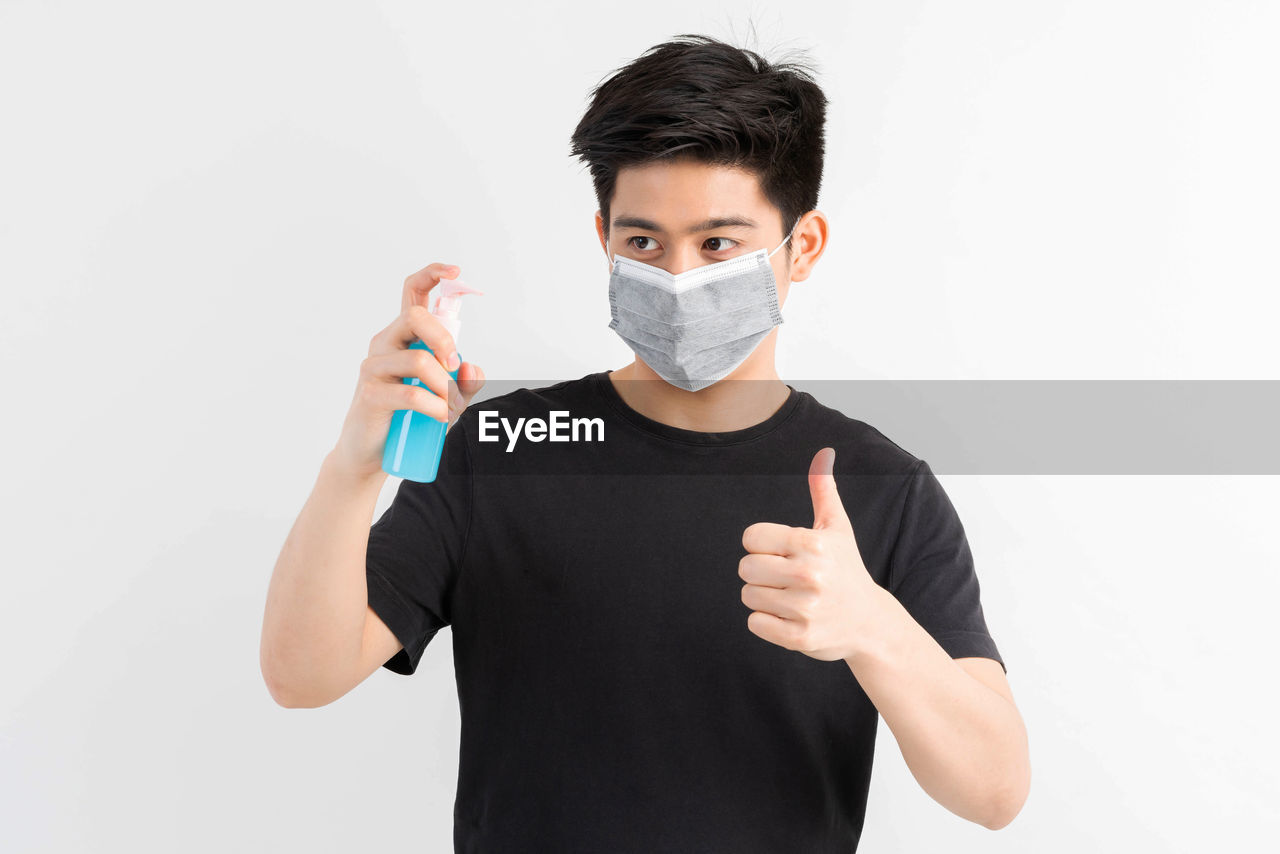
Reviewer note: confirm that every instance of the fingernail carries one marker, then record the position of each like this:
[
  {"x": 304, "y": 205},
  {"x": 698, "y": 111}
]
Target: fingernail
[{"x": 454, "y": 362}]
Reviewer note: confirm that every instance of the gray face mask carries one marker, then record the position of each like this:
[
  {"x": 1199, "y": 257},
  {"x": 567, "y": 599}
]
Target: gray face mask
[{"x": 695, "y": 328}]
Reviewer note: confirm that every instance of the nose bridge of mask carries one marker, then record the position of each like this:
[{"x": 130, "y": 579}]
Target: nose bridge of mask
[{"x": 613, "y": 259}]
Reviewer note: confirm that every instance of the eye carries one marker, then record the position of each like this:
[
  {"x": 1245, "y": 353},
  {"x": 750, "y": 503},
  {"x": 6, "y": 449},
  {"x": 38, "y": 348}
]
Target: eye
[
  {"x": 719, "y": 241},
  {"x": 640, "y": 248}
]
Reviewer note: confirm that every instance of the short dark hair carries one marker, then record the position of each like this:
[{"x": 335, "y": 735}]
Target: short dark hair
[{"x": 701, "y": 98}]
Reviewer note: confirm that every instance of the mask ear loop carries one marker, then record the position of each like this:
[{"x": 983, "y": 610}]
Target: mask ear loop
[
  {"x": 784, "y": 240},
  {"x": 784, "y": 243}
]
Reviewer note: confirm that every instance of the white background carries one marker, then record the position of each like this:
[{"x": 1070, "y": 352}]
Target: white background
[{"x": 205, "y": 213}]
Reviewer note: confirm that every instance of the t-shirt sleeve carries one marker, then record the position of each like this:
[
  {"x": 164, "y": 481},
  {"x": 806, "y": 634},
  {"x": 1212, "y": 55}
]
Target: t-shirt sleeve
[
  {"x": 931, "y": 570},
  {"x": 416, "y": 550}
]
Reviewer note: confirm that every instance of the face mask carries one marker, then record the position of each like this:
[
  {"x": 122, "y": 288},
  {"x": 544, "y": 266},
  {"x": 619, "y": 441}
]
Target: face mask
[{"x": 695, "y": 328}]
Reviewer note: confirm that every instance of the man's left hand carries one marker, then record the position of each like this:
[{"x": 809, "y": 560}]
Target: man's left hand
[{"x": 807, "y": 588}]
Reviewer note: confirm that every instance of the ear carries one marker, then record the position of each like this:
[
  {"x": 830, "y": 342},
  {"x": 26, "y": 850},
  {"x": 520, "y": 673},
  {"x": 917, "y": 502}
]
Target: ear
[
  {"x": 810, "y": 242},
  {"x": 604, "y": 241}
]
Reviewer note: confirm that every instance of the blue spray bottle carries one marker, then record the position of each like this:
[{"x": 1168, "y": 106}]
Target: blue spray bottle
[{"x": 415, "y": 440}]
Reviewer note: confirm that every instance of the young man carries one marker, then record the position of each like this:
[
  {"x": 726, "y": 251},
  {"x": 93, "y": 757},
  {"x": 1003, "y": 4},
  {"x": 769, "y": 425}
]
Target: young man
[{"x": 674, "y": 629}]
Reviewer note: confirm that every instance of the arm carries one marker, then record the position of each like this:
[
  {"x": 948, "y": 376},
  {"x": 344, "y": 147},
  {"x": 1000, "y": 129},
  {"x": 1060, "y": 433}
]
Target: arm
[
  {"x": 320, "y": 635},
  {"x": 954, "y": 719},
  {"x": 318, "y": 638}
]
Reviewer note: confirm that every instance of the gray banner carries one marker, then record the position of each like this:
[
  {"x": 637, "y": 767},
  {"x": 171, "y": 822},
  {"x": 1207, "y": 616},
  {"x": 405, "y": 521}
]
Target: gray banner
[{"x": 1058, "y": 426}]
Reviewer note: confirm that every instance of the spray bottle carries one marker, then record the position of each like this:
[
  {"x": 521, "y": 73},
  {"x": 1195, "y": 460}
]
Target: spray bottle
[{"x": 415, "y": 440}]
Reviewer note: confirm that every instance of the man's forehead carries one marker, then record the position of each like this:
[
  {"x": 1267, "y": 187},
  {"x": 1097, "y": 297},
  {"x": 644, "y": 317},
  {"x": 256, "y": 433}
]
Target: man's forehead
[{"x": 684, "y": 190}]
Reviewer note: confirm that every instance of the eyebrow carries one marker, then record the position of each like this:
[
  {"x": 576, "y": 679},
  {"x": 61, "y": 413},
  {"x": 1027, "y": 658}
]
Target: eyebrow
[{"x": 627, "y": 221}]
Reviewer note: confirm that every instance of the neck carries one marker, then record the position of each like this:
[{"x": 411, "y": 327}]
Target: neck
[{"x": 749, "y": 395}]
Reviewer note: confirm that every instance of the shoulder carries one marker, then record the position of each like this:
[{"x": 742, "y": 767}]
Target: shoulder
[{"x": 861, "y": 448}]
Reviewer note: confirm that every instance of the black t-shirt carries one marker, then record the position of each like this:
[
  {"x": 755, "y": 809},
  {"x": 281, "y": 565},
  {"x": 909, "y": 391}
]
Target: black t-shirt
[{"x": 611, "y": 695}]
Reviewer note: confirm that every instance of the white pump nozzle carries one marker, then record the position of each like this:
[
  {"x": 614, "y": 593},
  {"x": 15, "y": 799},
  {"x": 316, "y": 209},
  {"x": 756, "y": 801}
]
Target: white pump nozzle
[{"x": 449, "y": 304}]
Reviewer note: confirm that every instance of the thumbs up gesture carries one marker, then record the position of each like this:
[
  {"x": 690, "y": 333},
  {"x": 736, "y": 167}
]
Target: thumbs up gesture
[{"x": 807, "y": 588}]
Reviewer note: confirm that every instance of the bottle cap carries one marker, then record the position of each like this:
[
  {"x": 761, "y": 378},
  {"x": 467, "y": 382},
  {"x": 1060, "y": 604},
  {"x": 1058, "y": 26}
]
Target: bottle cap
[{"x": 450, "y": 300}]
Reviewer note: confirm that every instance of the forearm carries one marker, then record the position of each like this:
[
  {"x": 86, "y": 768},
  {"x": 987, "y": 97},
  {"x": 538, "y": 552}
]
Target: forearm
[
  {"x": 317, "y": 598},
  {"x": 965, "y": 744}
]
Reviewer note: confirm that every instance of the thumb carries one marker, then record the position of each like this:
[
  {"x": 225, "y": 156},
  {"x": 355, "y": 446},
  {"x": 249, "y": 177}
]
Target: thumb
[
  {"x": 470, "y": 379},
  {"x": 828, "y": 509}
]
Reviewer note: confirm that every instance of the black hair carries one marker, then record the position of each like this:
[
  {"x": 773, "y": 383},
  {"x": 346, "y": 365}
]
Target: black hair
[{"x": 701, "y": 98}]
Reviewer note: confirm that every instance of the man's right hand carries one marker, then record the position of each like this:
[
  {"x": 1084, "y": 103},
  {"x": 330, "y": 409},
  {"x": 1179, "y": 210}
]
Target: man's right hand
[{"x": 381, "y": 389}]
